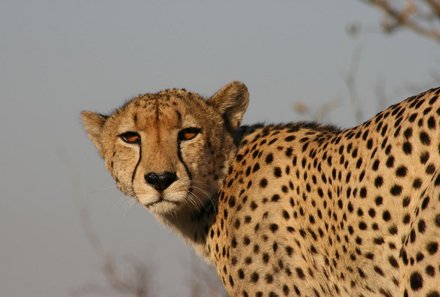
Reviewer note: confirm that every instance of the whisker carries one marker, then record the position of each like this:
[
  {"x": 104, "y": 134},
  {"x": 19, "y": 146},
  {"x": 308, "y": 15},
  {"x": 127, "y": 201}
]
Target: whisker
[{"x": 210, "y": 197}]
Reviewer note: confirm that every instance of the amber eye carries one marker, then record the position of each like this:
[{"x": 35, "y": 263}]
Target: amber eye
[
  {"x": 130, "y": 137},
  {"x": 188, "y": 133}
]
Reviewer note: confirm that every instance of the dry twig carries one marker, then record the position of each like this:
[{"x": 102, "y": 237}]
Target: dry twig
[{"x": 423, "y": 19}]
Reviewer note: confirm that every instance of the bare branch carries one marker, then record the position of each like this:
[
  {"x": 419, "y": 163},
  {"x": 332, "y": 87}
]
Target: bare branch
[
  {"x": 435, "y": 6},
  {"x": 350, "y": 83},
  {"x": 406, "y": 17}
]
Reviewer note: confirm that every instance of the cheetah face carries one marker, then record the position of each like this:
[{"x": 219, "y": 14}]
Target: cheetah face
[{"x": 169, "y": 149}]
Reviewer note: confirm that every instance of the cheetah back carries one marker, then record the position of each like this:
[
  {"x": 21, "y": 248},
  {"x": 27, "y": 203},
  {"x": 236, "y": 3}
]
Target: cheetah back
[{"x": 307, "y": 210}]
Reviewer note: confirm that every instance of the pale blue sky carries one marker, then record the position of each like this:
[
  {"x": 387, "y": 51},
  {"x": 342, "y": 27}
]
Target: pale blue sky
[{"x": 60, "y": 57}]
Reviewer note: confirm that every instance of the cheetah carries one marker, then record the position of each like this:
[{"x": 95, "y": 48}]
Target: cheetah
[{"x": 296, "y": 209}]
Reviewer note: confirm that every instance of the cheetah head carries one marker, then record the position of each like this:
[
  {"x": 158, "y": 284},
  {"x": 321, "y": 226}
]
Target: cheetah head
[{"x": 170, "y": 149}]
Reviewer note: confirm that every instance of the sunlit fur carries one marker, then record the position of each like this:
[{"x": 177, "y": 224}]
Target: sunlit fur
[{"x": 199, "y": 163}]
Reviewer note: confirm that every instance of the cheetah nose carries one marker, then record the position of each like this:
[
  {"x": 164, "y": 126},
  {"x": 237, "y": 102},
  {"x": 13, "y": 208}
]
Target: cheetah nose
[{"x": 160, "y": 181}]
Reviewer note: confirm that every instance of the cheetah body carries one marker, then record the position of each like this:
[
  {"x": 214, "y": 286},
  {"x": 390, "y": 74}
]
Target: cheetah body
[{"x": 310, "y": 210}]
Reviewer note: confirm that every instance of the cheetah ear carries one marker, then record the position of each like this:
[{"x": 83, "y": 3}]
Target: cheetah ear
[
  {"x": 93, "y": 124},
  {"x": 231, "y": 102}
]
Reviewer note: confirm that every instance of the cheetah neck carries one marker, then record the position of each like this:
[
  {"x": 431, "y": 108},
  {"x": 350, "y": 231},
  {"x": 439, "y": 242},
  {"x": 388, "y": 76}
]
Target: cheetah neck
[{"x": 193, "y": 226}]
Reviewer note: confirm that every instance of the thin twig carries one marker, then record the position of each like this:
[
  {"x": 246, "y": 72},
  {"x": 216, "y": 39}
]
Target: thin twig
[
  {"x": 402, "y": 18},
  {"x": 350, "y": 83}
]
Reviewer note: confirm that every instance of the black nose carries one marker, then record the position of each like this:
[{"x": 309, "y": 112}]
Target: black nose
[{"x": 160, "y": 181}]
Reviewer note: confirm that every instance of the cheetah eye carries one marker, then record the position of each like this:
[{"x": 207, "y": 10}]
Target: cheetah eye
[
  {"x": 188, "y": 133},
  {"x": 130, "y": 137}
]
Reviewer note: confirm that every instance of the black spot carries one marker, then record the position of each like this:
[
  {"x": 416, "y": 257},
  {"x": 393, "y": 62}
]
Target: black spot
[
  {"x": 289, "y": 250},
  {"x": 412, "y": 236},
  {"x": 390, "y": 162},
  {"x": 417, "y": 183},
  {"x": 237, "y": 224},
  {"x": 362, "y": 226},
  {"x": 273, "y": 227},
  {"x": 241, "y": 274},
  {"x": 432, "y": 247},
  {"x": 231, "y": 281},
  {"x": 376, "y": 165},
  {"x": 408, "y": 133},
  {"x": 437, "y": 180},
  {"x": 268, "y": 278},
  {"x": 290, "y": 138},
  {"x": 379, "y": 240},
  {"x": 275, "y": 198},
  {"x": 404, "y": 257},
  {"x": 416, "y": 281},
  {"x": 421, "y": 226},
  {"x": 248, "y": 260},
  {"x": 378, "y": 182},
  {"x": 386, "y": 216},
  {"x": 286, "y": 215},
  {"x": 396, "y": 190},
  {"x": 277, "y": 172},
  {"x": 430, "y": 169},
  {"x": 363, "y": 192},
  {"x": 420, "y": 257},
  {"x": 231, "y": 201},
  {"x": 424, "y": 138},
  {"x": 401, "y": 171},
  {"x": 407, "y": 147},
  {"x": 254, "y": 277},
  {"x": 437, "y": 220},
  {"x": 431, "y": 122},
  {"x": 378, "y": 200},
  {"x": 266, "y": 258},
  {"x": 406, "y": 201},
  {"x": 300, "y": 273},
  {"x": 393, "y": 262},
  {"x": 361, "y": 273},
  {"x": 430, "y": 270},
  {"x": 269, "y": 158},
  {"x": 263, "y": 183},
  {"x": 433, "y": 294},
  {"x": 424, "y": 157},
  {"x": 369, "y": 256},
  {"x": 378, "y": 270}
]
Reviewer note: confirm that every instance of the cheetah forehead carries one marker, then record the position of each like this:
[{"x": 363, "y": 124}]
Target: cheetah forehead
[{"x": 172, "y": 107}]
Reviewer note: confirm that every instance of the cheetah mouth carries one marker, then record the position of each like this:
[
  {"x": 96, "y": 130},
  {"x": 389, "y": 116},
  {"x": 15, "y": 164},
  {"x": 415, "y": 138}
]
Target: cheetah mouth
[{"x": 161, "y": 199}]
